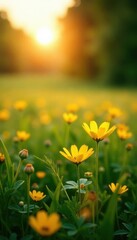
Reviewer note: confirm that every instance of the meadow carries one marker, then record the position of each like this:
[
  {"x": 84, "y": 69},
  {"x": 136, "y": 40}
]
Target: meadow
[{"x": 68, "y": 159}]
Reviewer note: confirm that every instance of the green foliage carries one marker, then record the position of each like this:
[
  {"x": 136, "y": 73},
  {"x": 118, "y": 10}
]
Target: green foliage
[{"x": 105, "y": 215}]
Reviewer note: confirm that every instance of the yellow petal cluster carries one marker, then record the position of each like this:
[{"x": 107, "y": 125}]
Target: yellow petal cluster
[
  {"x": 121, "y": 189},
  {"x": 40, "y": 174},
  {"x": 44, "y": 224},
  {"x": 69, "y": 117},
  {"x": 123, "y": 132},
  {"x": 98, "y": 133},
  {"x": 22, "y": 135},
  {"x": 20, "y": 105},
  {"x": 36, "y": 196},
  {"x": 77, "y": 156},
  {"x": 4, "y": 115}
]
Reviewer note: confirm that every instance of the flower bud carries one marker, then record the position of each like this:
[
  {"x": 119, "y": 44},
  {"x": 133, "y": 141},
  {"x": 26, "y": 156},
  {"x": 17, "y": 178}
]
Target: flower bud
[
  {"x": 29, "y": 168},
  {"x": 21, "y": 203},
  {"x": 88, "y": 174},
  {"x": 47, "y": 143},
  {"x": 92, "y": 196},
  {"x": 129, "y": 146},
  {"x": 23, "y": 154},
  {"x": 2, "y": 158}
]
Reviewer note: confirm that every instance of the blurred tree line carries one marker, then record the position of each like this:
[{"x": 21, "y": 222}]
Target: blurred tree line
[
  {"x": 18, "y": 51},
  {"x": 98, "y": 41}
]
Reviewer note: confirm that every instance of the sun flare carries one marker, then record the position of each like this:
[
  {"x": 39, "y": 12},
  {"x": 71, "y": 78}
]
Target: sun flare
[{"x": 46, "y": 36}]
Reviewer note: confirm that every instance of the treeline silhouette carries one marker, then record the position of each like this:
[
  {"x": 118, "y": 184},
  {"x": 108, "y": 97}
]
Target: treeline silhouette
[{"x": 98, "y": 41}]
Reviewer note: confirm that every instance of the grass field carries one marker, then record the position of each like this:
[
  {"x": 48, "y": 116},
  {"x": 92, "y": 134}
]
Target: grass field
[{"x": 81, "y": 199}]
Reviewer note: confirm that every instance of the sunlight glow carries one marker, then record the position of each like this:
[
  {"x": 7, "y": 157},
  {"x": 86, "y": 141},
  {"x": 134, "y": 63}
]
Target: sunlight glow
[{"x": 46, "y": 36}]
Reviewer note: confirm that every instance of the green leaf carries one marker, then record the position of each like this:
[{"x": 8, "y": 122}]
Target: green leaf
[
  {"x": 51, "y": 194},
  {"x": 72, "y": 183},
  {"x": 18, "y": 184},
  {"x": 27, "y": 237},
  {"x": 13, "y": 236},
  {"x": 55, "y": 198},
  {"x": 72, "y": 232},
  {"x": 121, "y": 232}
]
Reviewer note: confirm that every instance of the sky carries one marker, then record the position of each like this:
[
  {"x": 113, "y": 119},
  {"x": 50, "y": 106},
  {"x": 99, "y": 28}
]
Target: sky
[{"x": 32, "y": 15}]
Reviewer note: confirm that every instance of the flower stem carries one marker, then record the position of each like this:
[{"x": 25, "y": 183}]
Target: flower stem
[
  {"x": 18, "y": 169},
  {"x": 78, "y": 179},
  {"x": 97, "y": 187},
  {"x": 28, "y": 198},
  {"x": 67, "y": 134}
]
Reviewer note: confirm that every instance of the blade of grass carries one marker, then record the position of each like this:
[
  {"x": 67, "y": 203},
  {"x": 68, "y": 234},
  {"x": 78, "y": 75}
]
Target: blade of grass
[{"x": 8, "y": 162}]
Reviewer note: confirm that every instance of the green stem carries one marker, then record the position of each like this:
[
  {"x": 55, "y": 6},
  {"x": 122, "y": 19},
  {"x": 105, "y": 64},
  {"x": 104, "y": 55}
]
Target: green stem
[
  {"x": 106, "y": 162},
  {"x": 67, "y": 134},
  {"x": 93, "y": 212},
  {"x": 59, "y": 179},
  {"x": 78, "y": 179},
  {"x": 28, "y": 197},
  {"x": 97, "y": 187},
  {"x": 18, "y": 169}
]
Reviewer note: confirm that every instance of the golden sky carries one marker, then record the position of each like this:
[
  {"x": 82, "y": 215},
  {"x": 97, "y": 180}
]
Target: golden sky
[{"x": 32, "y": 15}]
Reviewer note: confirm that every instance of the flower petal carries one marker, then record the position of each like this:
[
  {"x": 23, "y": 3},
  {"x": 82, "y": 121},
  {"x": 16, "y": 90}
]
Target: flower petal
[
  {"x": 74, "y": 150},
  {"x": 93, "y": 126}
]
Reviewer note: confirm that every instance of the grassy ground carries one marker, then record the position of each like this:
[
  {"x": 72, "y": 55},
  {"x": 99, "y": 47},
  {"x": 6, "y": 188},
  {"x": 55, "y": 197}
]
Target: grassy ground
[{"x": 94, "y": 211}]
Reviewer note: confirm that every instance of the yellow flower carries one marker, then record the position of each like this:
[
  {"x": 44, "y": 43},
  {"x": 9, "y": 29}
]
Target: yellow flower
[
  {"x": 121, "y": 189},
  {"x": 123, "y": 133},
  {"x": 114, "y": 112},
  {"x": 77, "y": 156},
  {"x": 40, "y": 174},
  {"x": 22, "y": 135},
  {"x": 98, "y": 133},
  {"x": 36, "y": 196},
  {"x": 45, "y": 118},
  {"x": 72, "y": 107},
  {"x": 4, "y": 115},
  {"x": 20, "y": 105},
  {"x": 69, "y": 117},
  {"x": 45, "y": 224}
]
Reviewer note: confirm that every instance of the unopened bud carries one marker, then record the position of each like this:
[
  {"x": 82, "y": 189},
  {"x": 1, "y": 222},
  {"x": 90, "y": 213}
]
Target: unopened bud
[
  {"x": 88, "y": 174},
  {"x": 21, "y": 203},
  {"x": 29, "y": 168},
  {"x": 106, "y": 141},
  {"x": 92, "y": 196},
  {"x": 129, "y": 146},
  {"x": 47, "y": 143},
  {"x": 2, "y": 158},
  {"x": 23, "y": 154}
]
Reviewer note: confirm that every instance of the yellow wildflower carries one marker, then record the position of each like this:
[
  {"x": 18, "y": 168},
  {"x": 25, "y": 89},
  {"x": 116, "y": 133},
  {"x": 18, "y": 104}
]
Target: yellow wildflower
[
  {"x": 69, "y": 117},
  {"x": 4, "y": 115},
  {"x": 40, "y": 174},
  {"x": 45, "y": 118},
  {"x": 114, "y": 112},
  {"x": 45, "y": 224},
  {"x": 36, "y": 196},
  {"x": 22, "y": 135},
  {"x": 123, "y": 134},
  {"x": 77, "y": 156},
  {"x": 20, "y": 105},
  {"x": 121, "y": 189},
  {"x": 72, "y": 107},
  {"x": 98, "y": 133}
]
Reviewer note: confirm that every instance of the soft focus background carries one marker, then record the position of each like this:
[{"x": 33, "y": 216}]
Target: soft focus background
[{"x": 88, "y": 40}]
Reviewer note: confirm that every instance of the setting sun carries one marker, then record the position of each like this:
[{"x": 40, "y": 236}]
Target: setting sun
[{"x": 46, "y": 36}]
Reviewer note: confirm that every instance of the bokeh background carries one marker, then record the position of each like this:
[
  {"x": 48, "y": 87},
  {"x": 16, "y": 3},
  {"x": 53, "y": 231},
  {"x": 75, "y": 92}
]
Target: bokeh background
[{"x": 97, "y": 41}]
